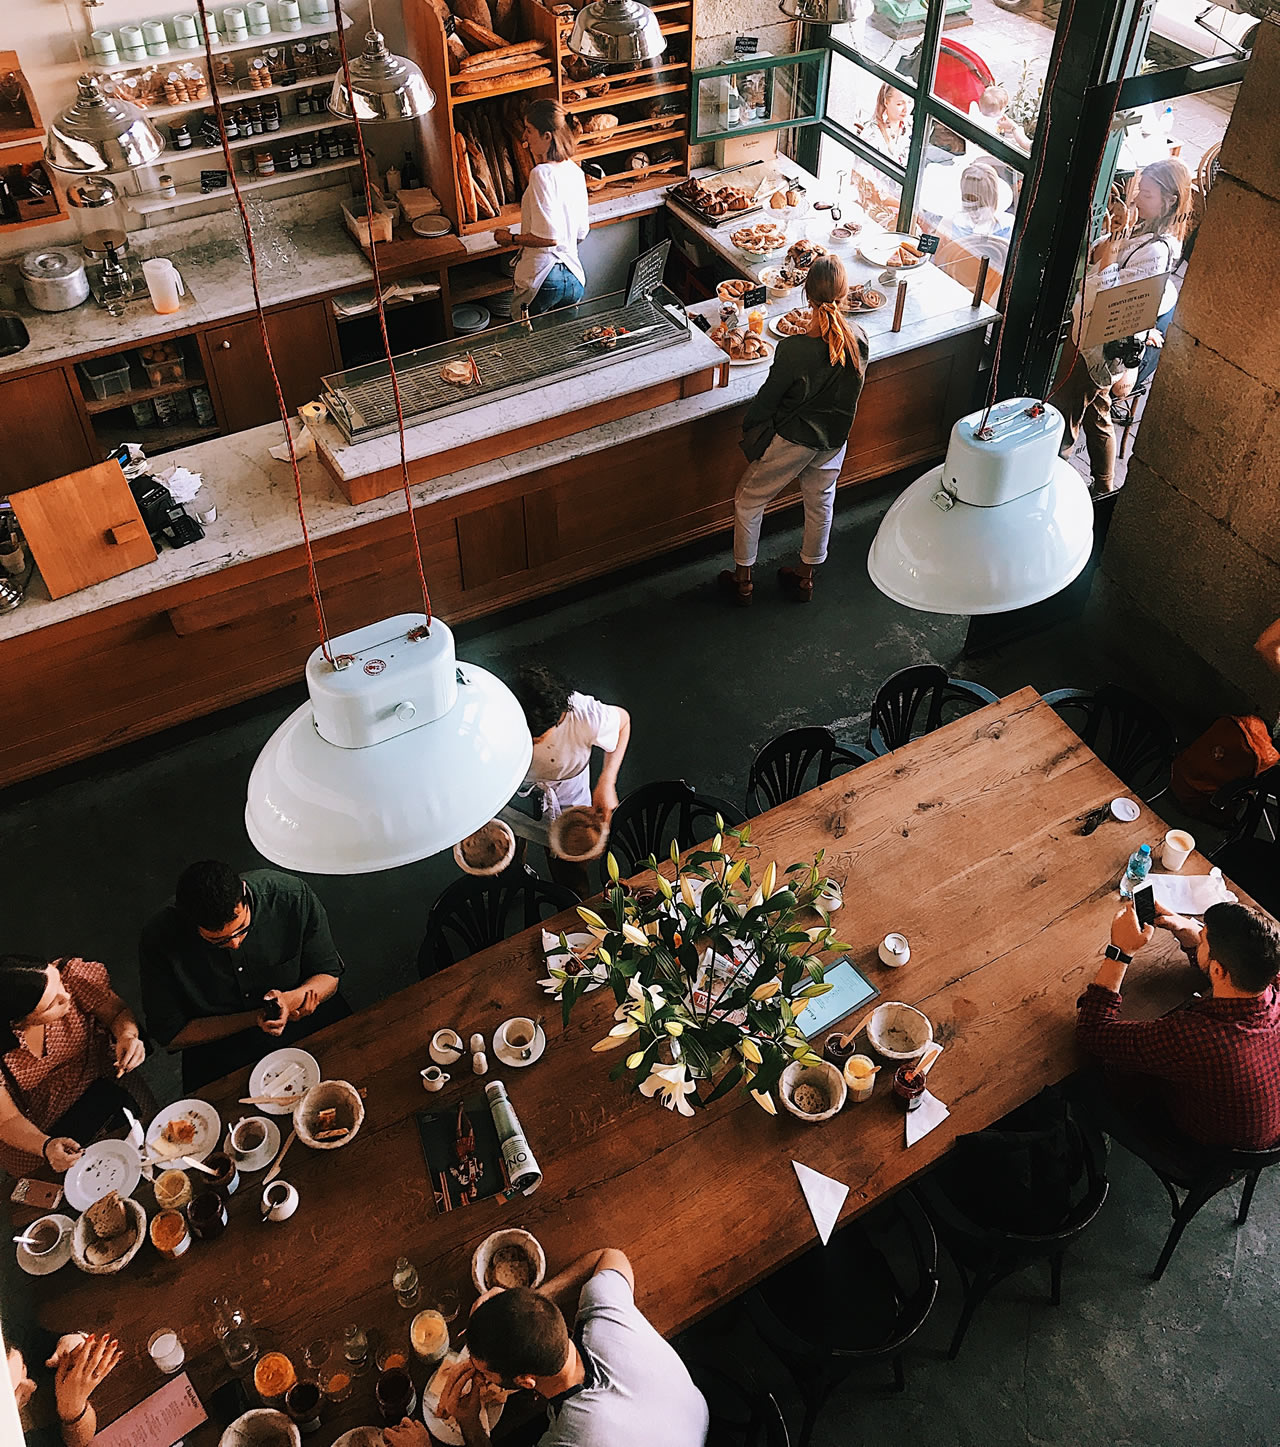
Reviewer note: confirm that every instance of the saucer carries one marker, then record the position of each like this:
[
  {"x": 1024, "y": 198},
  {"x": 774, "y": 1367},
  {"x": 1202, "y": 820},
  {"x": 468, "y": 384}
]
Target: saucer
[
  {"x": 56, "y": 1259},
  {"x": 447, "y": 1055},
  {"x": 512, "y": 1057},
  {"x": 266, "y": 1153}
]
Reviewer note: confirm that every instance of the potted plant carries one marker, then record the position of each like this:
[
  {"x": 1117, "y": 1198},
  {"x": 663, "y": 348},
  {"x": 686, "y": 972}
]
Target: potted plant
[{"x": 710, "y": 973}]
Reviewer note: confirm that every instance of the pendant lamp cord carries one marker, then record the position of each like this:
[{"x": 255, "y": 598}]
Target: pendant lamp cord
[
  {"x": 382, "y": 319},
  {"x": 316, "y": 600}
]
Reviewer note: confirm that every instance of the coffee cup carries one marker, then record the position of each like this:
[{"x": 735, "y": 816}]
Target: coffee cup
[
  {"x": 279, "y": 1201},
  {"x": 43, "y": 1237},
  {"x": 433, "y": 1078},
  {"x": 1178, "y": 848},
  {"x": 247, "y": 1136},
  {"x": 517, "y": 1036},
  {"x": 446, "y": 1047},
  {"x": 894, "y": 950}
]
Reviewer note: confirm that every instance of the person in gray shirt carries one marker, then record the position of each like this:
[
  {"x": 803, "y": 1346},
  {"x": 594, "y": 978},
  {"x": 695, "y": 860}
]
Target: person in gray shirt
[{"x": 614, "y": 1383}]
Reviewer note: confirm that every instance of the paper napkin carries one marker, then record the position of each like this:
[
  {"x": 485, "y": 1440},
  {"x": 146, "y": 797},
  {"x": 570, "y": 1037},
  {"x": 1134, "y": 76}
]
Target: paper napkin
[
  {"x": 925, "y": 1117},
  {"x": 824, "y": 1197}
]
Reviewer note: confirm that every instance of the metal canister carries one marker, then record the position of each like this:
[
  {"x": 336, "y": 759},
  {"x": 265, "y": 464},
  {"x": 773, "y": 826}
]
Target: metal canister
[{"x": 54, "y": 279}]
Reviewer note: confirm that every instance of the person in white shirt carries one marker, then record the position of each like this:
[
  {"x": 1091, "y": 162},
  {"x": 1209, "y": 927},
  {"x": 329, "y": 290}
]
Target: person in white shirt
[
  {"x": 991, "y": 112},
  {"x": 566, "y": 726},
  {"x": 554, "y": 220}
]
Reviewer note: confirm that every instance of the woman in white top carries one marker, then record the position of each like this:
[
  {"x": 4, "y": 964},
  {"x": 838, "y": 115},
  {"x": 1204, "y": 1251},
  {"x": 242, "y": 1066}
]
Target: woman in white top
[
  {"x": 892, "y": 131},
  {"x": 553, "y": 215}
]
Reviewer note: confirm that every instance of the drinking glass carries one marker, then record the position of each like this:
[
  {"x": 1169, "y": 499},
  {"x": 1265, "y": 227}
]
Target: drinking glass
[
  {"x": 449, "y": 1305},
  {"x": 393, "y": 1354},
  {"x": 355, "y": 1348},
  {"x": 395, "y": 1396},
  {"x": 235, "y": 1333},
  {"x": 328, "y": 1368}
]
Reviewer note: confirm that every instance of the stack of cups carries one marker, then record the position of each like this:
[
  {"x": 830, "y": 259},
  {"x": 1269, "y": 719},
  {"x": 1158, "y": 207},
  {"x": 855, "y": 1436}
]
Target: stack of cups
[
  {"x": 259, "y": 17},
  {"x": 234, "y": 25},
  {"x": 154, "y": 37},
  {"x": 290, "y": 17},
  {"x": 104, "y": 46},
  {"x": 132, "y": 45},
  {"x": 186, "y": 32}
]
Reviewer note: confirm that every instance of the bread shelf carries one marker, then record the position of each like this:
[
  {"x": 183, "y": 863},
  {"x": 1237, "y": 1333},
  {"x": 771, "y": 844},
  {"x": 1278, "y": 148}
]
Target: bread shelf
[
  {"x": 498, "y": 91},
  {"x": 630, "y": 142},
  {"x": 625, "y": 97}
]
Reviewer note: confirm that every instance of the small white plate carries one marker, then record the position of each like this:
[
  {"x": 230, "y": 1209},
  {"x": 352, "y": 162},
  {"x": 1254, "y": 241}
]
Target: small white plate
[
  {"x": 205, "y": 1119},
  {"x": 449, "y": 1432},
  {"x": 878, "y": 249},
  {"x": 266, "y": 1153},
  {"x": 104, "y": 1166},
  {"x": 753, "y": 361},
  {"x": 513, "y": 1057},
  {"x": 432, "y": 225},
  {"x": 777, "y": 331},
  {"x": 296, "y": 1069},
  {"x": 556, "y": 960},
  {"x": 1125, "y": 810},
  {"x": 53, "y": 1260}
]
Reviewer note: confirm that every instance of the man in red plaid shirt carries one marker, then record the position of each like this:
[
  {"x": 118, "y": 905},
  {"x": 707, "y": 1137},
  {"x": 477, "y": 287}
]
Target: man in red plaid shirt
[{"x": 1209, "y": 1070}]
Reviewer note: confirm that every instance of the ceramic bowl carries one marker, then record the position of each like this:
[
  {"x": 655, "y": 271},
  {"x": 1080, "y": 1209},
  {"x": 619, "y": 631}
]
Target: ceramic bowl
[
  {"x": 825, "y": 1078},
  {"x": 262, "y": 1427},
  {"x": 589, "y": 824},
  {"x": 503, "y": 830},
  {"x": 899, "y": 1032},
  {"x": 81, "y": 1235},
  {"x": 337, "y": 1095},
  {"x": 530, "y": 1245}
]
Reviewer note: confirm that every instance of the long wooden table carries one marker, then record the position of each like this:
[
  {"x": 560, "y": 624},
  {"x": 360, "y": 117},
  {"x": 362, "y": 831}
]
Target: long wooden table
[{"x": 964, "y": 840}]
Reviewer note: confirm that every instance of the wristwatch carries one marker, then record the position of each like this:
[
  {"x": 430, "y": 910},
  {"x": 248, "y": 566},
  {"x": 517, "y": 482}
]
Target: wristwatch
[{"x": 1114, "y": 952}]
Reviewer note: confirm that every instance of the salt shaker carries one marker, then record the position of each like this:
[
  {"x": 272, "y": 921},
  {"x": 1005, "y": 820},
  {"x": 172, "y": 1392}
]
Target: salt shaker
[{"x": 479, "y": 1063}]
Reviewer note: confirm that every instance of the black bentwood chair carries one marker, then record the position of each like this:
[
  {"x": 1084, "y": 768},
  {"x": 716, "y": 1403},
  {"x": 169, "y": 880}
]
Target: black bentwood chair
[
  {"x": 474, "y": 913},
  {"x": 743, "y": 1413},
  {"x": 652, "y": 816},
  {"x": 858, "y": 1300},
  {"x": 1128, "y": 734},
  {"x": 1250, "y": 854},
  {"x": 918, "y": 700},
  {"x": 795, "y": 762}
]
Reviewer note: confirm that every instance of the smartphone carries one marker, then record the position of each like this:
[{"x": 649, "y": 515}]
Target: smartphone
[
  {"x": 1144, "y": 901},
  {"x": 228, "y": 1402},
  {"x": 41, "y": 1195},
  {"x": 272, "y": 1009}
]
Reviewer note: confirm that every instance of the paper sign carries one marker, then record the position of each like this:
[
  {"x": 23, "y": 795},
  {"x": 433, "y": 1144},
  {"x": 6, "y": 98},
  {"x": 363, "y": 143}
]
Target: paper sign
[
  {"x": 163, "y": 1419},
  {"x": 1124, "y": 311},
  {"x": 928, "y": 242},
  {"x": 757, "y": 296},
  {"x": 824, "y": 1198},
  {"x": 744, "y": 45}
]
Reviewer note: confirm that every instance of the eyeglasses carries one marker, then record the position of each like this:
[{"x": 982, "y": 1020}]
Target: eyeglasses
[{"x": 221, "y": 941}]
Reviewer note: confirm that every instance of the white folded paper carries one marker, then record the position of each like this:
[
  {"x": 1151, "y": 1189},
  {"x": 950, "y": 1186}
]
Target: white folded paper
[
  {"x": 929, "y": 1114},
  {"x": 1190, "y": 893},
  {"x": 825, "y": 1197}
]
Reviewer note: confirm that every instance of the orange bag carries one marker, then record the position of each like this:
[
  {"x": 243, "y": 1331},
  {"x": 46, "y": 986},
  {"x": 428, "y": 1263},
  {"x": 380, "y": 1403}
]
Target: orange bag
[{"x": 1231, "y": 750}]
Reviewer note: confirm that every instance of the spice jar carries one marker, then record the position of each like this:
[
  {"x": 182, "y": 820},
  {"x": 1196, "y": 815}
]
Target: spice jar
[
  {"x": 265, "y": 163},
  {"x": 271, "y": 115}
]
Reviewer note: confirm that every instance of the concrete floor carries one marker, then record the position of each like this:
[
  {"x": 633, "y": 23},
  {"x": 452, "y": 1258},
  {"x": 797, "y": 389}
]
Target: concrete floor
[{"x": 92, "y": 851}]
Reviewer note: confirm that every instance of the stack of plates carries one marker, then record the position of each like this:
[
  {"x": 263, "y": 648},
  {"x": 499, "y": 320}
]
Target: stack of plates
[
  {"x": 501, "y": 304},
  {"x": 470, "y": 316},
  {"x": 432, "y": 225}
]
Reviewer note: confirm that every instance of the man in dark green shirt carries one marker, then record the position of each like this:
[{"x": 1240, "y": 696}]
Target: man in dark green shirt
[{"x": 236, "y": 966}]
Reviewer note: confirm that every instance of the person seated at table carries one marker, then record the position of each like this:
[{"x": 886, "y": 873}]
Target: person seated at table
[
  {"x": 566, "y": 725},
  {"x": 991, "y": 112},
  {"x": 613, "y": 1383},
  {"x": 79, "y": 1363},
  {"x": 73, "y": 1040},
  {"x": 891, "y": 129},
  {"x": 236, "y": 965},
  {"x": 980, "y": 213},
  {"x": 1209, "y": 1072}
]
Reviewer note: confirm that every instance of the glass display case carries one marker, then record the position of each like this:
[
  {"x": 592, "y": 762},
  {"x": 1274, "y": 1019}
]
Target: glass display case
[{"x": 758, "y": 93}]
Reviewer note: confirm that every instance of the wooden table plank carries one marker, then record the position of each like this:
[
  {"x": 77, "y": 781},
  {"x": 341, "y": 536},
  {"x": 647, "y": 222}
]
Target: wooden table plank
[{"x": 964, "y": 840}]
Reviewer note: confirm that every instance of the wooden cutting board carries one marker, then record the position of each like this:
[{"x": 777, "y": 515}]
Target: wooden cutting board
[{"x": 83, "y": 528}]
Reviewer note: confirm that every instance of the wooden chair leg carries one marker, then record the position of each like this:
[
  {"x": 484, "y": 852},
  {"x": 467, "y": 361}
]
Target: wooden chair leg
[
  {"x": 1194, "y": 1200},
  {"x": 1246, "y": 1197},
  {"x": 975, "y": 1293}
]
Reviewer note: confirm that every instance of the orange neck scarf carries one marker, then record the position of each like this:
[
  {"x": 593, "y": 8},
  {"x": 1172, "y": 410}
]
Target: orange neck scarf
[{"x": 832, "y": 330}]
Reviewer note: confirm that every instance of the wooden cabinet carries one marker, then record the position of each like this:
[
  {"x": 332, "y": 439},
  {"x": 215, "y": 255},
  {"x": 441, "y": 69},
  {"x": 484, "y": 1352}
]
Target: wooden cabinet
[
  {"x": 41, "y": 432},
  {"x": 303, "y": 345}
]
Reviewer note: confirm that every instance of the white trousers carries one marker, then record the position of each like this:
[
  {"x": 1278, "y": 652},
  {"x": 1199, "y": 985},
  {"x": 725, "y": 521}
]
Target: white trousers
[{"x": 764, "y": 479}]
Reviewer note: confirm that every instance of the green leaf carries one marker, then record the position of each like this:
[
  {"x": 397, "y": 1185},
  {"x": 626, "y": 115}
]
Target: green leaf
[{"x": 725, "y": 1084}]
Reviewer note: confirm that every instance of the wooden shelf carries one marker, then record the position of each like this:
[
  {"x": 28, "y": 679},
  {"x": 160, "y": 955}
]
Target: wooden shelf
[
  {"x": 674, "y": 128},
  {"x": 508, "y": 216},
  {"x": 267, "y": 138},
  {"x": 675, "y": 29},
  {"x": 191, "y": 196},
  {"x": 512, "y": 89},
  {"x": 627, "y": 143},
  {"x": 94, "y": 405},
  {"x": 624, "y": 97},
  {"x": 240, "y": 97},
  {"x": 176, "y": 56},
  {"x": 474, "y": 288},
  {"x": 23, "y": 154},
  {"x": 155, "y": 440}
]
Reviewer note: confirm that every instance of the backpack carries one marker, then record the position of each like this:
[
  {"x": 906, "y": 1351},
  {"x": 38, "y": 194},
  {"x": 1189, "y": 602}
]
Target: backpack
[{"x": 1232, "y": 750}]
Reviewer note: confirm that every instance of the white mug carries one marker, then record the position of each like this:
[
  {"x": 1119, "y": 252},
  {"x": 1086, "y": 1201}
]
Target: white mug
[
  {"x": 279, "y": 1201},
  {"x": 446, "y": 1047},
  {"x": 433, "y": 1078},
  {"x": 525, "y": 1032},
  {"x": 1178, "y": 848},
  {"x": 894, "y": 950},
  {"x": 479, "y": 1063},
  {"x": 240, "y": 1146},
  {"x": 164, "y": 283}
]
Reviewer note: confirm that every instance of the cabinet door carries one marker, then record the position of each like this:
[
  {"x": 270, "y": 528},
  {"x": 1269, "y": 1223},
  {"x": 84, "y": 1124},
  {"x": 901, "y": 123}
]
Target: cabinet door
[
  {"x": 303, "y": 349},
  {"x": 41, "y": 435}
]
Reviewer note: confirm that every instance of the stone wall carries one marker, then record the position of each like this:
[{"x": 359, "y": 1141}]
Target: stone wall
[{"x": 1193, "y": 556}]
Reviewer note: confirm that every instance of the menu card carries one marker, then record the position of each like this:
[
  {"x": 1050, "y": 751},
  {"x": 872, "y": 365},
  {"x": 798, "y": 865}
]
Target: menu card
[{"x": 164, "y": 1418}]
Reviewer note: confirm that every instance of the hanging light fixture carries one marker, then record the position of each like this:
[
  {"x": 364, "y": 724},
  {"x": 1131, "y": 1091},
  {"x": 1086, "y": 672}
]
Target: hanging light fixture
[
  {"x": 820, "y": 12},
  {"x": 1002, "y": 524},
  {"x": 399, "y": 753},
  {"x": 617, "y": 32},
  {"x": 383, "y": 86},
  {"x": 100, "y": 132}
]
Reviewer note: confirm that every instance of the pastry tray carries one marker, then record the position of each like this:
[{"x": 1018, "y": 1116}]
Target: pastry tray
[
  {"x": 749, "y": 175},
  {"x": 510, "y": 359}
]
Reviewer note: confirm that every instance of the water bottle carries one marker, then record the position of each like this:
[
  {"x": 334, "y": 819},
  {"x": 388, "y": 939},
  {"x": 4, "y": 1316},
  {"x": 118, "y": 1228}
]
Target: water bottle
[
  {"x": 522, "y": 1168},
  {"x": 1136, "y": 873},
  {"x": 404, "y": 1281},
  {"x": 1166, "y": 121}
]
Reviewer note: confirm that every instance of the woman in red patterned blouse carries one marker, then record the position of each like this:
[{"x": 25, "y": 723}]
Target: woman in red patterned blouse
[{"x": 74, "y": 1037}]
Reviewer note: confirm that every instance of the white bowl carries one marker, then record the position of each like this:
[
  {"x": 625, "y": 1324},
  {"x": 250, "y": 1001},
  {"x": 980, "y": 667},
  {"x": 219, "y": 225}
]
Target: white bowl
[
  {"x": 899, "y": 1032},
  {"x": 460, "y": 859},
  {"x": 81, "y": 1235},
  {"x": 261, "y": 1427},
  {"x": 825, "y": 1077},
  {"x": 510, "y": 1237},
  {"x": 337, "y": 1095}
]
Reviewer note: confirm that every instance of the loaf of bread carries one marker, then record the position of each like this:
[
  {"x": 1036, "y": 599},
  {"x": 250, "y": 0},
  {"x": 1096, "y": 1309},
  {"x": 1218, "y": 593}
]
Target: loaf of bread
[
  {"x": 476, "y": 12},
  {"x": 602, "y": 121},
  {"x": 496, "y": 82},
  {"x": 466, "y": 190},
  {"x": 485, "y": 58},
  {"x": 478, "y": 31},
  {"x": 108, "y": 1217}
]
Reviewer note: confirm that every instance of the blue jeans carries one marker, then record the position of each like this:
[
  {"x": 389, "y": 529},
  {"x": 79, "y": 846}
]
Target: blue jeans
[{"x": 561, "y": 288}]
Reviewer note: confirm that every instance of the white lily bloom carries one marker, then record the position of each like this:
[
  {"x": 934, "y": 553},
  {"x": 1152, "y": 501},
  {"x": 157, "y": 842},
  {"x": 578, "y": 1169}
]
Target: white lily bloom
[
  {"x": 770, "y": 879},
  {"x": 671, "y": 1084},
  {"x": 686, "y": 892},
  {"x": 635, "y": 936}
]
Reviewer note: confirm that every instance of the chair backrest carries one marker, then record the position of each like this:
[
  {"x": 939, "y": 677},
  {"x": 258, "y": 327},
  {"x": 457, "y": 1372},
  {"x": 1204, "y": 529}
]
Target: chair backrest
[
  {"x": 796, "y": 761},
  {"x": 897, "y": 708},
  {"x": 1132, "y": 737},
  {"x": 743, "y": 1414},
  {"x": 1246, "y": 806},
  {"x": 474, "y": 913},
  {"x": 650, "y": 817}
]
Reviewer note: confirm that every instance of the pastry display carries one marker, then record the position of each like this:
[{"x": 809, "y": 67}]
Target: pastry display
[
  {"x": 861, "y": 297},
  {"x": 759, "y": 240},
  {"x": 802, "y": 254},
  {"x": 460, "y": 372},
  {"x": 906, "y": 255},
  {"x": 739, "y": 344},
  {"x": 712, "y": 201},
  {"x": 794, "y": 323},
  {"x": 734, "y": 289},
  {"x": 604, "y": 337}
]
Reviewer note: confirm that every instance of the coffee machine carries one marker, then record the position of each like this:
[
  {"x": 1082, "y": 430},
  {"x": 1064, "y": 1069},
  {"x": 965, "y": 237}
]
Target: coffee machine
[{"x": 114, "y": 273}]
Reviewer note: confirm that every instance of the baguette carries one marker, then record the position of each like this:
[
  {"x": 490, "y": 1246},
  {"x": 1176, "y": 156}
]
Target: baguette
[
  {"x": 513, "y": 125},
  {"x": 503, "y": 52},
  {"x": 466, "y": 190},
  {"x": 505, "y": 164},
  {"x": 513, "y": 65},
  {"x": 489, "y": 141},
  {"x": 506, "y": 17},
  {"x": 480, "y": 173},
  {"x": 478, "y": 29},
  {"x": 496, "y": 82}
]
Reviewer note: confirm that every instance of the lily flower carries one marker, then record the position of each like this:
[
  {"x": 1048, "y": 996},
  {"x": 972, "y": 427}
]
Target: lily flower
[
  {"x": 671, "y": 1084},
  {"x": 635, "y": 936},
  {"x": 686, "y": 892},
  {"x": 616, "y": 1036},
  {"x": 750, "y": 1050},
  {"x": 591, "y": 917},
  {"x": 674, "y": 1028},
  {"x": 766, "y": 991},
  {"x": 762, "y": 1098},
  {"x": 770, "y": 879}
]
